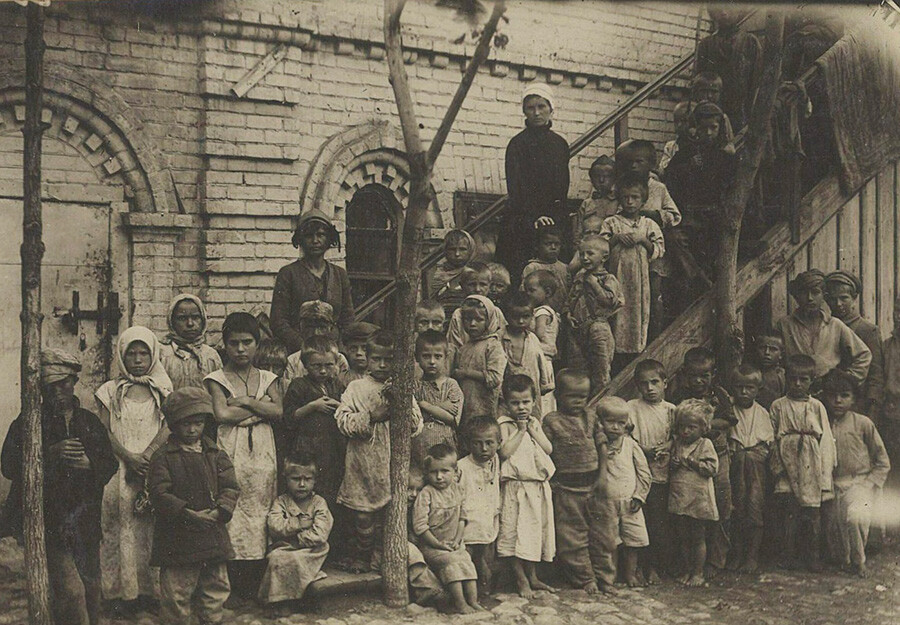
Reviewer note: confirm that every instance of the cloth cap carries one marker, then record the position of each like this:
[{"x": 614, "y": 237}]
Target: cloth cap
[
  {"x": 540, "y": 89},
  {"x": 186, "y": 402},
  {"x": 806, "y": 281},
  {"x": 312, "y": 217},
  {"x": 57, "y": 365},
  {"x": 317, "y": 309},
  {"x": 359, "y": 331},
  {"x": 845, "y": 278},
  {"x": 707, "y": 109}
]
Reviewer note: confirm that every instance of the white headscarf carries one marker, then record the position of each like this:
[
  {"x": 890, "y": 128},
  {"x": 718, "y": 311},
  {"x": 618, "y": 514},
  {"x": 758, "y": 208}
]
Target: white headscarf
[{"x": 156, "y": 378}]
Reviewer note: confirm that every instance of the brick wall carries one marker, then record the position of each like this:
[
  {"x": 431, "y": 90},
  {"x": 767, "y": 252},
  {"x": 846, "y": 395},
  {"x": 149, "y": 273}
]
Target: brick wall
[{"x": 237, "y": 167}]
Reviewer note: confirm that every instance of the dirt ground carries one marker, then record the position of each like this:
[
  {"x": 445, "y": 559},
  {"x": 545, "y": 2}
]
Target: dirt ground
[{"x": 773, "y": 597}]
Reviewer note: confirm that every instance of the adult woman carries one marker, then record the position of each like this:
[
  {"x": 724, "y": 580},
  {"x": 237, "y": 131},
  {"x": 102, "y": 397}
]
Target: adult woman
[{"x": 310, "y": 278}]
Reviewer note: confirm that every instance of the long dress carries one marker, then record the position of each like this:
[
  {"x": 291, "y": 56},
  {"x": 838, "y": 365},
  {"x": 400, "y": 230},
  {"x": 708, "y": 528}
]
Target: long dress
[
  {"x": 251, "y": 447},
  {"x": 631, "y": 265},
  {"x": 127, "y": 539}
]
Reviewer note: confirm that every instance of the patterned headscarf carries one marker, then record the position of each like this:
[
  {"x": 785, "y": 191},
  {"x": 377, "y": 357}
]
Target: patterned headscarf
[
  {"x": 156, "y": 378},
  {"x": 494, "y": 322},
  {"x": 172, "y": 337}
]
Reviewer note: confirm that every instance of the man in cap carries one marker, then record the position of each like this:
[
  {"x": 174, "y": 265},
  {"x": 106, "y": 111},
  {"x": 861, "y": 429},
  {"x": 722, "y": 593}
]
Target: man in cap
[
  {"x": 842, "y": 290},
  {"x": 537, "y": 180},
  {"x": 78, "y": 462},
  {"x": 812, "y": 330}
]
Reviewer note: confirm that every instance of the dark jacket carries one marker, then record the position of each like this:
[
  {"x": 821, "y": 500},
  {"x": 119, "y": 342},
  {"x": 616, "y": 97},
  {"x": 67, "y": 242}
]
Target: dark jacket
[
  {"x": 295, "y": 285},
  {"x": 698, "y": 187},
  {"x": 537, "y": 175},
  {"x": 180, "y": 480},
  {"x": 871, "y": 336},
  {"x": 72, "y": 497}
]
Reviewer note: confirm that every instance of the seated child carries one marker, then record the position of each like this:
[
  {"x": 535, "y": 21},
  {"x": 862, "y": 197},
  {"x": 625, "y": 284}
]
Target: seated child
[
  {"x": 768, "y": 347},
  {"x": 692, "y": 496},
  {"x": 594, "y": 298},
  {"x": 480, "y": 363},
  {"x": 363, "y": 417},
  {"x": 549, "y": 242},
  {"x": 430, "y": 316},
  {"x": 602, "y": 203},
  {"x": 309, "y": 406},
  {"x": 696, "y": 381},
  {"x": 523, "y": 350},
  {"x": 439, "y": 522},
  {"x": 527, "y": 533},
  {"x": 246, "y": 403},
  {"x": 749, "y": 442},
  {"x": 500, "y": 282},
  {"x": 682, "y": 117},
  {"x": 627, "y": 482},
  {"x": 476, "y": 280},
  {"x": 355, "y": 339},
  {"x": 802, "y": 463},
  {"x": 579, "y": 454},
  {"x": 299, "y": 524},
  {"x": 862, "y": 467},
  {"x": 440, "y": 398},
  {"x": 194, "y": 490},
  {"x": 634, "y": 241},
  {"x": 443, "y": 283},
  {"x": 479, "y": 476},
  {"x": 653, "y": 419},
  {"x": 540, "y": 287},
  {"x": 316, "y": 319}
]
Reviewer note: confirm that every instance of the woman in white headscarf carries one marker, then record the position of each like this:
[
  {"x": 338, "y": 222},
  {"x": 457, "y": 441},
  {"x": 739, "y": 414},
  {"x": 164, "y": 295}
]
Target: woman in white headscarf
[{"x": 130, "y": 409}]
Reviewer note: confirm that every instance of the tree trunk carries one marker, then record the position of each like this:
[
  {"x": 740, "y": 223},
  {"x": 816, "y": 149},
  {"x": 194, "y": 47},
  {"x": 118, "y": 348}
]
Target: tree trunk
[
  {"x": 37, "y": 580},
  {"x": 729, "y": 336}
]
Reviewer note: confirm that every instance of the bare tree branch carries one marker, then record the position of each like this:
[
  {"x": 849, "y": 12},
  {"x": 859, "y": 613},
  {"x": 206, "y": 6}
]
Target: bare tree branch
[
  {"x": 399, "y": 80},
  {"x": 482, "y": 50}
]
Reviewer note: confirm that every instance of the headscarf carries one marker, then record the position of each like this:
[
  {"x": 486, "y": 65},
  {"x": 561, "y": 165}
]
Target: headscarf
[
  {"x": 468, "y": 237},
  {"x": 493, "y": 316},
  {"x": 539, "y": 89},
  {"x": 806, "y": 281},
  {"x": 844, "y": 278},
  {"x": 157, "y": 378},
  {"x": 172, "y": 337},
  {"x": 57, "y": 365}
]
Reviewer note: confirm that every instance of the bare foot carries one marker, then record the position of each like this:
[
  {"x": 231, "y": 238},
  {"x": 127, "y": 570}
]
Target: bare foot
[
  {"x": 608, "y": 589},
  {"x": 633, "y": 581},
  {"x": 683, "y": 579},
  {"x": 591, "y": 588},
  {"x": 711, "y": 572},
  {"x": 525, "y": 590},
  {"x": 478, "y": 607},
  {"x": 537, "y": 584},
  {"x": 862, "y": 571},
  {"x": 653, "y": 578},
  {"x": 696, "y": 580},
  {"x": 465, "y": 609},
  {"x": 750, "y": 566},
  {"x": 734, "y": 565}
]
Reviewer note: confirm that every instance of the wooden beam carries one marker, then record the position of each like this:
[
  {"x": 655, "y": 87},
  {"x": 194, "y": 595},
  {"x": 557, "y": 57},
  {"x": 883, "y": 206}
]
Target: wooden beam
[
  {"x": 868, "y": 250},
  {"x": 696, "y": 325},
  {"x": 885, "y": 222},
  {"x": 259, "y": 71}
]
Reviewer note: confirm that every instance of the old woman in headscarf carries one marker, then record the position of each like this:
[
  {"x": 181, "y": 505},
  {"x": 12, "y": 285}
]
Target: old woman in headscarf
[
  {"x": 184, "y": 353},
  {"x": 812, "y": 330},
  {"x": 78, "y": 462}
]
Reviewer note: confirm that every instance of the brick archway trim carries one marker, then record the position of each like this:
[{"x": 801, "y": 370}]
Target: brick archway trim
[
  {"x": 103, "y": 127},
  {"x": 355, "y": 157}
]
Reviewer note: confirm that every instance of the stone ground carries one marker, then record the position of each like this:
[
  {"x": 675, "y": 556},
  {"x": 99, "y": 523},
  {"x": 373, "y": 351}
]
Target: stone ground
[{"x": 771, "y": 598}]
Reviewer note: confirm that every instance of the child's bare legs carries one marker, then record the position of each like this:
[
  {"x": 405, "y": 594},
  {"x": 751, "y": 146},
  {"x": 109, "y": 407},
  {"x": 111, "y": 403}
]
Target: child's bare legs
[
  {"x": 483, "y": 558},
  {"x": 692, "y": 538},
  {"x": 752, "y": 542},
  {"x": 527, "y": 580},
  {"x": 362, "y": 542},
  {"x": 791, "y": 520},
  {"x": 629, "y": 565},
  {"x": 455, "y": 589},
  {"x": 470, "y": 592}
]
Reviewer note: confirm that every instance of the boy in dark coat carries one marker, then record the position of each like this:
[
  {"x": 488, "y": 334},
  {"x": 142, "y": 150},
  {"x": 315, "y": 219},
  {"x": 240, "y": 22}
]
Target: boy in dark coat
[
  {"x": 194, "y": 490},
  {"x": 78, "y": 462}
]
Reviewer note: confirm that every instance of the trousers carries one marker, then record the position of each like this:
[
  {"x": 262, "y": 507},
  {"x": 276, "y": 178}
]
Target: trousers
[{"x": 201, "y": 588}]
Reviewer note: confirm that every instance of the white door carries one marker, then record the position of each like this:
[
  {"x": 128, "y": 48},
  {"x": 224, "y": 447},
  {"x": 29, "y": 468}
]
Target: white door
[{"x": 76, "y": 258}]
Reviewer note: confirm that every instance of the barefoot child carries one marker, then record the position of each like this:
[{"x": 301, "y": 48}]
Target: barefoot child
[
  {"x": 194, "y": 490},
  {"x": 130, "y": 409},
  {"x": 299, "y": 525},
  {"x": 862, "y": 467},
  {"x": 579, "y": 454},
  {"x": 653, "y": 418},
  {"x": 527, "y": 533},
  {"x": 523, "y": 350},
  {"x": 749, "y": 442},
  {"x": 627, "y": 482},
  {"x": 246, "y": 402},
  {"x": 363, "y": 417},
  {"x": 439, "y": 521},
  {"x": 481, "y": 362},
  {"x": 692, "y": 496},
  {"x": 480, "y": 479},
  {"x": 803, "y": 462}
]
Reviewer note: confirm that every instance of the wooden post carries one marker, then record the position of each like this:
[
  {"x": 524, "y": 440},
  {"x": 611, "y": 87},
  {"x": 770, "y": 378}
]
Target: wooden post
[
  {"x": 620, "y": 131},
  {"x": 37, "y": 580}
]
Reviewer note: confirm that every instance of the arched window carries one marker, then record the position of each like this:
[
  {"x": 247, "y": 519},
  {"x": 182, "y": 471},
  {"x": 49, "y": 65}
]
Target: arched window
[{"x": 373, "y": 217}]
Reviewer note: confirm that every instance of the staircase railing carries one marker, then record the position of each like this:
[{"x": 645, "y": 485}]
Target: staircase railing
[{"x": 367, "y": 307}]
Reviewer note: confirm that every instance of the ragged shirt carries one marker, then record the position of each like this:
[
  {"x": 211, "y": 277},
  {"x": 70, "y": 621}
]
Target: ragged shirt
[
  {"x": 828, "y": 341},
  {"x": 753, "y": 427},
  {"x": 653, "y": 425}
]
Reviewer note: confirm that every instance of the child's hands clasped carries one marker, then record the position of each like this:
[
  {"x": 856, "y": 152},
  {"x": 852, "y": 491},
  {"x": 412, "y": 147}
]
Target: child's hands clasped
[{"x": 325, "y": 405}]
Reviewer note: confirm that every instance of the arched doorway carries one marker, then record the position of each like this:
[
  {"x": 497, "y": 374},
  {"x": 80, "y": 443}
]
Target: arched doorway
[{"x": 374, "y": 220}]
